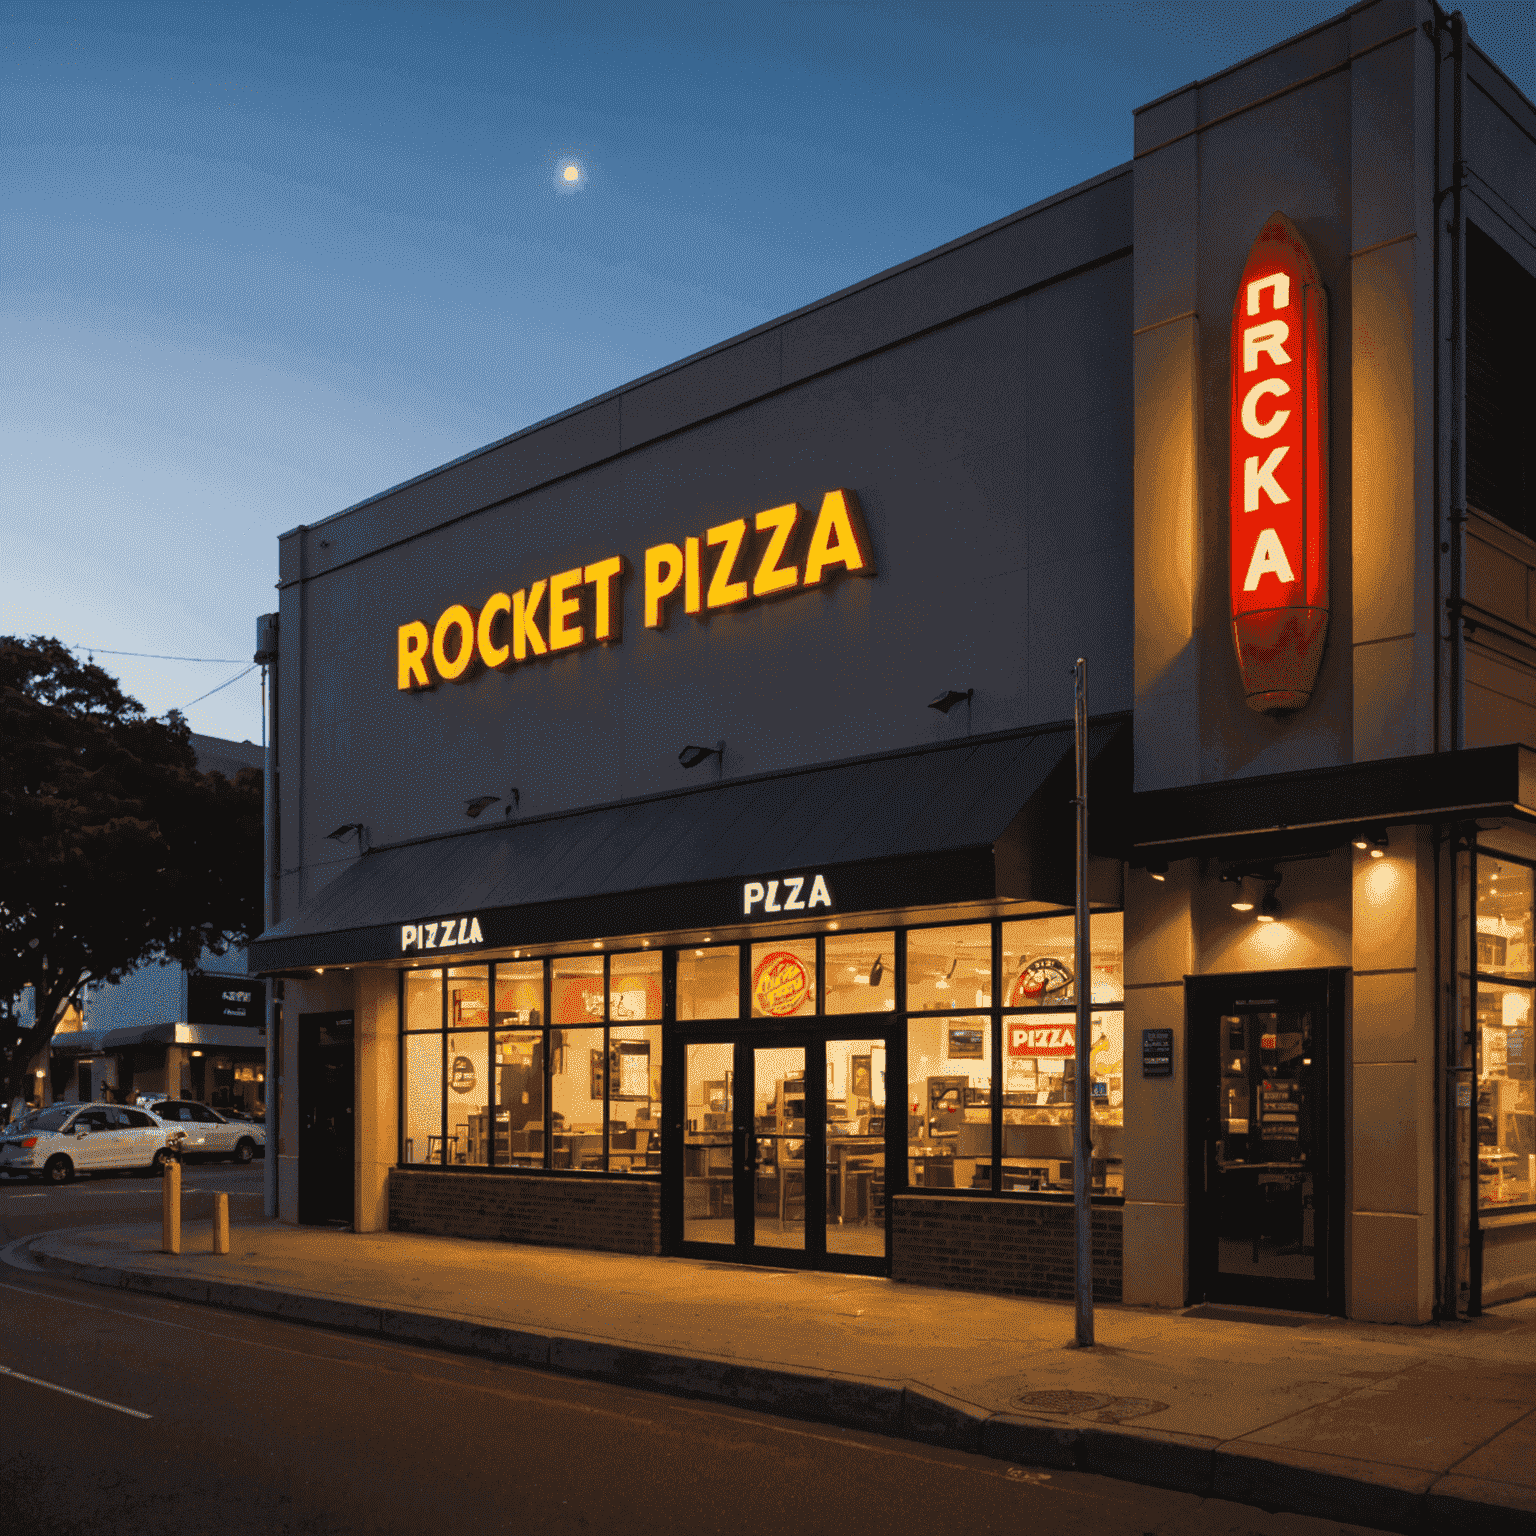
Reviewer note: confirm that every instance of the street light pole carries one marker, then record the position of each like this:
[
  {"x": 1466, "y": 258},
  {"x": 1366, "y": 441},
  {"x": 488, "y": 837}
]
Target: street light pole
[
  {"x": 1082, "y": 1098},
  {"x": 267, "y": 656}
]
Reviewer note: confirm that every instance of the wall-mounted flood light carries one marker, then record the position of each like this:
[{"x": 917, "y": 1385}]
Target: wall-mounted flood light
[
  {"x": 1248, "y": 892},
  {"x": 1158, "y": 869},
  {"x": 947, "y": 700},
  {"x": 691, "y": 756},
  {"x": 1379, "y": 846},
  {"x": 515, "y": 802},
  {"x": 479, "y": 803},
  {"x": 346, "y": 831},
  {"x": 1269, "y": 905}
]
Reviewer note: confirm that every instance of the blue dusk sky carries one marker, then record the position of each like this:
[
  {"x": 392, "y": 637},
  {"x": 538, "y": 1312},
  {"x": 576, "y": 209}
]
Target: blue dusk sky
[{"x": 261, "y": 261}]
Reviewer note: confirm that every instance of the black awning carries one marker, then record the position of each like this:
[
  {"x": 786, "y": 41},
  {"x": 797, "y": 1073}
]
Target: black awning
[
  {"x": 981, "y": 819},
  {"x": 1322, "y": 806}
]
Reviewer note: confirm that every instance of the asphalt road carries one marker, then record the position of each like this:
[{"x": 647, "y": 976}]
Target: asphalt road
[{"x": 134, "y": 1412}]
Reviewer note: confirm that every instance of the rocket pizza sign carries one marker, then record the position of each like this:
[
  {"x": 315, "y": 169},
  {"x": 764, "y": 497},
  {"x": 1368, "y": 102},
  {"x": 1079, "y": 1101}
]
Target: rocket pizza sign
[
  {"x": 1278, "y": 519},
  {"x": 774, "y": 554}
]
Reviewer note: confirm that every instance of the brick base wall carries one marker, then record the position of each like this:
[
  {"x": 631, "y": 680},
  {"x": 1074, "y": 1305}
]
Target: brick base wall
[
  {"x": 1009, "y": 1247},
  {"x": 619, "y": 1215}
]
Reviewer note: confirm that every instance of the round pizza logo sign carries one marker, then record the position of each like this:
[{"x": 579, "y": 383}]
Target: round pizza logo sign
[
  {"x": 1040, "y": 981},
  {"x": 780, "y": 984}
]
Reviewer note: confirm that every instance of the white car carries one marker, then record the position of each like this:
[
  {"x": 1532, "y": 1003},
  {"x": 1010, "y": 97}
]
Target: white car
[
  {"x": 55, "y": 1144},
  {"x": 208, "y": 1133}
]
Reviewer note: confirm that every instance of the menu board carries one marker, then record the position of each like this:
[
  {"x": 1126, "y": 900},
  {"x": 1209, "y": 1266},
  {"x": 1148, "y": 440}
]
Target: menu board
[
  {"x": 1280, "y": 1111},
  {"x": 1157, "y": 1053}
]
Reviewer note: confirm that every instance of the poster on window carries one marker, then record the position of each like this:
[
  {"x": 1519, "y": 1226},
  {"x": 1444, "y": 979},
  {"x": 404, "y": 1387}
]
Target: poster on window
[{"x": 1042, "y": 1038}]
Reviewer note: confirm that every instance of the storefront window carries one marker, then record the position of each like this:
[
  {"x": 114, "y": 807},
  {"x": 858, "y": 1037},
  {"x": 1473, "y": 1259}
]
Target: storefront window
[
  {"x": 861, "y": 972},
  {"x": 949, "y": 1099},
  {"x": 577, "y": 1083},
  {"x": 423, "y": 1132},
  {"x": 708, "y": 983},
  {"x": 520, "y": 993},
  {"x": 634, "y": 1063},
  {"x": 490, "y": 1081},
  {"x": 576, "y": 989},
  {"x": 855, "y": 1131},
  {"x": 949, "y": 968},
  {"x": 784, "y": 979},
  {"x": 1040, "y": 1062},
  {"x": 423, "y": 999},
  {"x": 469, "y": 1090},
  {"x": 519, "y": 1096},
  {"x": 1506, "y": 1107},
  {"x": 1039, "y": 959},
  {"x": 1504, "y": 910}
]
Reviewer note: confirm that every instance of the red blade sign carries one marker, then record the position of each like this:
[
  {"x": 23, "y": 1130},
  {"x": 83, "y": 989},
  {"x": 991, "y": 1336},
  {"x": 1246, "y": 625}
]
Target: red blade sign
[{"x": 1278, "y": 522}]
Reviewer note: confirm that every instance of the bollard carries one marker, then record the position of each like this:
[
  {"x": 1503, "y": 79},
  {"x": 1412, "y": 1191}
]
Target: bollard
[
  {"x": 170, "y": 1215},
  {"x": 221, "y": 1223}
]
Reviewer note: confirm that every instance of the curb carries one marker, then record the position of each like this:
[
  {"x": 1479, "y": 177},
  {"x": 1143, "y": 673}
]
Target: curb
[{"x": 1382, "y": 1497}]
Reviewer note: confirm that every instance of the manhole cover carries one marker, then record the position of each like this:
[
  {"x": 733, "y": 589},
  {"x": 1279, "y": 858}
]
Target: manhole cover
[{"x": 1063, "y": 1402}]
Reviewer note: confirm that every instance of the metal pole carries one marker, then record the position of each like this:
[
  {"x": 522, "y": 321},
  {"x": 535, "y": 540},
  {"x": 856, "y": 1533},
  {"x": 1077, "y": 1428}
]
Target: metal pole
[
  {"x": 267, "y": 655},
  {"x": 1082, "y": 1143},
  {"x": 170, "y": 1207}
]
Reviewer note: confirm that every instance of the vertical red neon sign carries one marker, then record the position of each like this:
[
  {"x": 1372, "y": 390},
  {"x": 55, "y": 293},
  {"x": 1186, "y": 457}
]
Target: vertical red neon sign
[{"x": 1278, "y": 523}]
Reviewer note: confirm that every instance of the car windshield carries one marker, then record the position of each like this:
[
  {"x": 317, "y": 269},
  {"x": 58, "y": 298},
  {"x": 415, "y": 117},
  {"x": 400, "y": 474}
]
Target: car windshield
[{"x": 45, "y": 1119}]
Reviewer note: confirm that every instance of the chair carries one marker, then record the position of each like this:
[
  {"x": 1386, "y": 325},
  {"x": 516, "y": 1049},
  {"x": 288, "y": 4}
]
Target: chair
[{"x": 435, "y": 1149}]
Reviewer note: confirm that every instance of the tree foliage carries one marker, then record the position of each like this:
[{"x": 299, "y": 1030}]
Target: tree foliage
[{"x": 114, "y": 848}]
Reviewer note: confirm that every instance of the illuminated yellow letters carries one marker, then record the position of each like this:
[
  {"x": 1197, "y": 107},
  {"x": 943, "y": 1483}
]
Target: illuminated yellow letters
[
  {"x": 413, "y": 656},
  {"x": 839, "y": 538},
  {"x": 663, "y": 572},
  {"x": 491, "y": 654},
  {"x": 771, "y": 577},
  {"x": 456, "y": 617},
  {"x": 563, "y": 636},
  {"x": 756, "y": 557},
  {"x": 723, "y": 592},
  {"x": 608, "y": 614},
  {"x": 525, "y": 631}
]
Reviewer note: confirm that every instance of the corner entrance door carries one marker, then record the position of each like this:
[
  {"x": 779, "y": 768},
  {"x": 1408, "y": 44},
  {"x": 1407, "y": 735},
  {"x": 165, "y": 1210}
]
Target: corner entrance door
[
  {"x": 784, "y": 1151},
  {"x": 325, "y": 1119},
  {"x": 1266, "y": 1177}
]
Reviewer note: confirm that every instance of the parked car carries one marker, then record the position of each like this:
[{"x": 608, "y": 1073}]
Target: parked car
[
  {"x": 55, "y": 1144},
  {"x": 210, "y": 1134}
]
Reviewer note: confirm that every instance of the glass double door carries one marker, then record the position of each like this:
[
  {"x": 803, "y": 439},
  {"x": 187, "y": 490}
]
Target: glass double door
[
  {"x": 1267, "y": 1221},
  {"x": 784, "y": 1150}
]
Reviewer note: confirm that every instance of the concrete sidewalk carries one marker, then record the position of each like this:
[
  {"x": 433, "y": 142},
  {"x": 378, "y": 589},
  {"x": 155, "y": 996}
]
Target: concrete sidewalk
[{"x": 1404, "y": 1429}]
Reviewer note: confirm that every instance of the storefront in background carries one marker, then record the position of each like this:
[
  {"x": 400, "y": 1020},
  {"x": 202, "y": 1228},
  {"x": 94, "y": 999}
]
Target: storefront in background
[{"x": 676, "y": 826}]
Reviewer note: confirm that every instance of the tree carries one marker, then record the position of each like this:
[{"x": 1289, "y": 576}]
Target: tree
[{"x": 114, "y": 848}]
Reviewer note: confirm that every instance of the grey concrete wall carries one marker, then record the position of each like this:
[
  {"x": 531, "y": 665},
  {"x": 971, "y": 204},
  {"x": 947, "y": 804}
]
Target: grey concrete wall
[{"x": 977, "y": 401}]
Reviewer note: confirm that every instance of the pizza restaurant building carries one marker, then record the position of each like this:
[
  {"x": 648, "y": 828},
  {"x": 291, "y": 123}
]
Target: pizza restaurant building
[{"x": 675, "y": 849}]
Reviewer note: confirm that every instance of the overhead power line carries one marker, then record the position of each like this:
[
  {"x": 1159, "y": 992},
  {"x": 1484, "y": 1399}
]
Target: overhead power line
[
  {"x": 235, "y": 679},
  {"x": 222, "y": 661}
]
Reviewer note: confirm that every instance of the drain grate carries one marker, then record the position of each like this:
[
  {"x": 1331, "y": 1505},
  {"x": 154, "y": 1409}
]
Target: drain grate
[{"x": 1063, "y": 1402}]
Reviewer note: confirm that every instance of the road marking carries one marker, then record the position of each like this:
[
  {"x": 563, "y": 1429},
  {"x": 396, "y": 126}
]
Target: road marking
[
  {"x": 67, "y": 1300},
  {"x": 85, "y": 1397}
]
